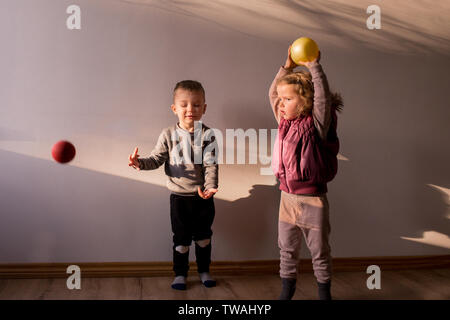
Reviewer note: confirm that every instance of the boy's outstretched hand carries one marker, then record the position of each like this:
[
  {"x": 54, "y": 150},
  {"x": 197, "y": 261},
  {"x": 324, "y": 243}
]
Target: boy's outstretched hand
[
  {"x": 207, "y": 193},
  {"x": 133, "y": 159}
]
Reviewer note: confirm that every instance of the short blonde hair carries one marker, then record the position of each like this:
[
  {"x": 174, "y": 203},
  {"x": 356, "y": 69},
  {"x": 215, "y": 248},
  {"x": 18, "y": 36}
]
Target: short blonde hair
[{"x": 304, "y": 86}]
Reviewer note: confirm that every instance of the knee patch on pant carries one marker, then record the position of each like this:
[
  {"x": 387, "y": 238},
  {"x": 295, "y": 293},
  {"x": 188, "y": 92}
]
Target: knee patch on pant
[
  {"x": 182, "y": 249},
  {"x": 203, "y": 243}
]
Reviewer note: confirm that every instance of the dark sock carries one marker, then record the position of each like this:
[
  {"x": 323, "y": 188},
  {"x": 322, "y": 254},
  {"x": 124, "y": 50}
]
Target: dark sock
[
  {"x": 288, "y": 288},
  {"x": 324, "y": 290}
]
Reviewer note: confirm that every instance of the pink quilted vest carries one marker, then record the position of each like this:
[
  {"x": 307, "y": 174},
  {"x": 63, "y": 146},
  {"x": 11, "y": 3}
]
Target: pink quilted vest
[{"x": 302, "y": 161}]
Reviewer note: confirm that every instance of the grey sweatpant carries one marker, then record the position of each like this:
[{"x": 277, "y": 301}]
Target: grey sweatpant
[{"x": 308, "y": 216}]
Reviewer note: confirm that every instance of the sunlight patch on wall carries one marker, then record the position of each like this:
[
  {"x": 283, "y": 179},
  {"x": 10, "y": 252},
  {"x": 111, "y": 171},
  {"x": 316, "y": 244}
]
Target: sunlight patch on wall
[
  {"x": 446, "y": 196},
  {"x": 435, "y": 238},
  {"x": 432, "y": 238},
  {"x": 343, "y": 158},
  {"x": 110, "y": 156}
]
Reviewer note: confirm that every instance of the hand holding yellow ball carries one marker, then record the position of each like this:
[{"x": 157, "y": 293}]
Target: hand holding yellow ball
[{"x": 304, "y": 50}]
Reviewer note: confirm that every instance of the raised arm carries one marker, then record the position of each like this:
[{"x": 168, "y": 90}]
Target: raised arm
[
  {"x": 273, "y": 95},
  {"x": 322, "y": 99},
  {"x": 288, "y": 67}
]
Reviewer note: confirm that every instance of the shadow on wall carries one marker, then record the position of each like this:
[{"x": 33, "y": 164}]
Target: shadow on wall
[
  {"x": 338, "y": 22},
  {"x": 56, "y": 213},
  {"x": 247, "y": 227},
  {"x": 59, "y": 213},
  {"x": 380, "y": 204},
  {"x": 435, "y": 234},
  {"x": 381, "y": 198},
  {"x": 394, "y": 130}
]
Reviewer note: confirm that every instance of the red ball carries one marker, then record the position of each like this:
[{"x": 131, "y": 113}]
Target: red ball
[{"x": 63, "y": 151}]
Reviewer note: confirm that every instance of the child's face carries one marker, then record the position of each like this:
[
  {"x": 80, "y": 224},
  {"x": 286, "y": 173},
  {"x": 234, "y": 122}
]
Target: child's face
[
  {"x": 189, "y": 106},
  {"x": 291, "y": 102}
]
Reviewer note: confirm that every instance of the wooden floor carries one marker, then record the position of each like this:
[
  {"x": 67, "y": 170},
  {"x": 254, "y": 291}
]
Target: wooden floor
[{"x": 405, "y": 284}]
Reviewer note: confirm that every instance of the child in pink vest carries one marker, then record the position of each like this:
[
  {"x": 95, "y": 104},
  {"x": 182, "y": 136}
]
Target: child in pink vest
[{"x": 304, "y": 160}]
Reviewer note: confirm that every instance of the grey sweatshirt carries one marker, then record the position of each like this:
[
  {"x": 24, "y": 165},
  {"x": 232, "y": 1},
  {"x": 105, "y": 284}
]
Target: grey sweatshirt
[{"x": 190, "y": 159}]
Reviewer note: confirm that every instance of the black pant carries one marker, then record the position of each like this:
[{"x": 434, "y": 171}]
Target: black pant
[{"x": 191, "y": 218}]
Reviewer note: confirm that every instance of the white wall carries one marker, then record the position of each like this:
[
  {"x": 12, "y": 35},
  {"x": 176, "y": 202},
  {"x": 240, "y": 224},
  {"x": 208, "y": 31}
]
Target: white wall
[{"x": 107, "y": 88}]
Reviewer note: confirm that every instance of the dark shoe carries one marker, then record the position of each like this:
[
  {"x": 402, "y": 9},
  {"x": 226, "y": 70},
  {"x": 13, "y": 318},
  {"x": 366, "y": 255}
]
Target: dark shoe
[
  {"x": 324, "y": 290},
  {"x": 209, "y": 283},
  {"x": 288, "y": 288}
]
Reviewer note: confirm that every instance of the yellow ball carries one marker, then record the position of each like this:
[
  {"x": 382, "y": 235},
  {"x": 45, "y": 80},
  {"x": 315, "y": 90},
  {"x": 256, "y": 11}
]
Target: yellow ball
[{"x": 304, "y": 50}]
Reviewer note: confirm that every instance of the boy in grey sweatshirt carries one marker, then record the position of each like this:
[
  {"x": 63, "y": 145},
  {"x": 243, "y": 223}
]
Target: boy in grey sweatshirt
[{"x": 188, "y": 151}]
